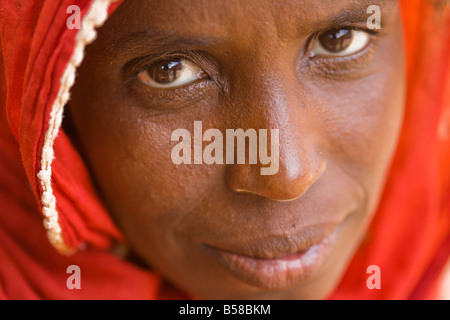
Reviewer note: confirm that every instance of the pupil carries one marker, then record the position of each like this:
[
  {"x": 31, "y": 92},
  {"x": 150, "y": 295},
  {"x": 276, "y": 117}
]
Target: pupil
[
  {"x": 165, "y": 72},
  {"x": 336, "y": 40}
]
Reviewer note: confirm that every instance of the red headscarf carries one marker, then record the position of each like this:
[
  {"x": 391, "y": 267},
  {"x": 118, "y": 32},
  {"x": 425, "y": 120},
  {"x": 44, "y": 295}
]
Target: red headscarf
[{"x": 44, "y": 178}]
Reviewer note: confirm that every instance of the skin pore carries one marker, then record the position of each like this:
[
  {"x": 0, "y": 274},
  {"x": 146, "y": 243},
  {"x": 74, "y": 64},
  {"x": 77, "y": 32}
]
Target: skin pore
[{"x": 311, "y": 69}]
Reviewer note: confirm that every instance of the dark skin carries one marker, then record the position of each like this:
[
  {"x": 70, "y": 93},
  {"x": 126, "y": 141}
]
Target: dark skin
[{"x": 256, "y": 64}]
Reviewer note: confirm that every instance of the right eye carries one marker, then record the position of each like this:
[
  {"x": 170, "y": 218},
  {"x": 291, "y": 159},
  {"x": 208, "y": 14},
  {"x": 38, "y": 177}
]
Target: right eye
[
  {"x": 171, "y": 73},
  {"x": 341, "y": 42}
]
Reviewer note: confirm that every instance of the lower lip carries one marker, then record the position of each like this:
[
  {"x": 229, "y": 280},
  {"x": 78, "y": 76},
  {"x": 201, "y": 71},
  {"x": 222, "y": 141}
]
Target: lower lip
[{"x": 279, "y": 273}]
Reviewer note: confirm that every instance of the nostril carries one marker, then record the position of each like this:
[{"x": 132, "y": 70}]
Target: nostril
[
  {"x": 287, "y": 185},
  {"x": 301, "y": 184}
]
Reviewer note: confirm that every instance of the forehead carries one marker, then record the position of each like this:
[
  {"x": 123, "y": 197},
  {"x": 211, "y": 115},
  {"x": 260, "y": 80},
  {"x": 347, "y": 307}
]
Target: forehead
[{"x": 220, "y": 20}]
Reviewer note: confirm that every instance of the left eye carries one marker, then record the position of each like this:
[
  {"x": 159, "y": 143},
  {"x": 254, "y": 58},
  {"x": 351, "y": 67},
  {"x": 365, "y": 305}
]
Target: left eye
[
  {"x": 340, "y": 42},
  {"x": 171, "y": 73}
]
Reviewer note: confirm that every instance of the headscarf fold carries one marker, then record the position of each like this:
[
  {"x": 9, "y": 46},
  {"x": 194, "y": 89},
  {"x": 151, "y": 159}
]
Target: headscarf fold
[{"x": 51, "y": 216}]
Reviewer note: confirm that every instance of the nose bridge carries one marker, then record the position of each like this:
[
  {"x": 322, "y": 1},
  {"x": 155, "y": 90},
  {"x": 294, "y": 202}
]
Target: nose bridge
[{"x": 272, "y": 100}]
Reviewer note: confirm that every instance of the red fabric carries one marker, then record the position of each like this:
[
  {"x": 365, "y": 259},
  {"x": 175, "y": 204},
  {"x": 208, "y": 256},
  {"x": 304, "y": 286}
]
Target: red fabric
[
  {"x": 408, "y": 239},
  {"x": 36, "y": 46}
]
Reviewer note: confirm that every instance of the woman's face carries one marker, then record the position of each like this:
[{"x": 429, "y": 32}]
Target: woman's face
[{"x": 311, "y": 69}]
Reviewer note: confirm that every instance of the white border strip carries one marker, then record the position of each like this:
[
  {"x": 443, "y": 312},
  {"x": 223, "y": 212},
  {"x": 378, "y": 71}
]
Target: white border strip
[{"x": 95, "y": 17}]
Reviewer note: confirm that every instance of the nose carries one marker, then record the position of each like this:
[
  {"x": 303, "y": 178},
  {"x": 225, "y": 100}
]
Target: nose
[
  {"x": 277, "y": 104},
  {"x": 299, "y": 167}
]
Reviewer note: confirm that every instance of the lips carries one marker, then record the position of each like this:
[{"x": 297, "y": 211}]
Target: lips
[{"x": 278, "y": 262}]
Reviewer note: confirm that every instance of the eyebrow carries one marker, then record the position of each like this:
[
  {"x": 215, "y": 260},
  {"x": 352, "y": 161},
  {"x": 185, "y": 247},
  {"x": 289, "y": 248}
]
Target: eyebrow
[
  {"x": 156, "y": 39},
  {"x": 153, "y": 39},
  {"x": 356, "y": 12}
]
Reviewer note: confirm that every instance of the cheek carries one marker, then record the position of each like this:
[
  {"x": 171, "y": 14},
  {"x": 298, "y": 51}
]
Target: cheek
[
  {"x": 129, "y": 154},
  {"x": 363, "y": 126},
  {"x": 361, "y": 129}
]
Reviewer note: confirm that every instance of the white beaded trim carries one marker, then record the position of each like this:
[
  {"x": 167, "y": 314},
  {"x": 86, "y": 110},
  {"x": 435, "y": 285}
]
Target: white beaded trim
[{"x": 95, "y": 17}]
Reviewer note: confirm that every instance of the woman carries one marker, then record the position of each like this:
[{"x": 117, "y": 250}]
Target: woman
[{"x": 358, "y": 207}]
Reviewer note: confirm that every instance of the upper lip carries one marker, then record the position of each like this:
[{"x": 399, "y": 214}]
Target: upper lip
[{"x": 277, "y": 245}]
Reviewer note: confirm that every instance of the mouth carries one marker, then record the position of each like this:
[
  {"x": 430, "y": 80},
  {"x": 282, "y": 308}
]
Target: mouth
[{"x": 289, "y": 263}]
